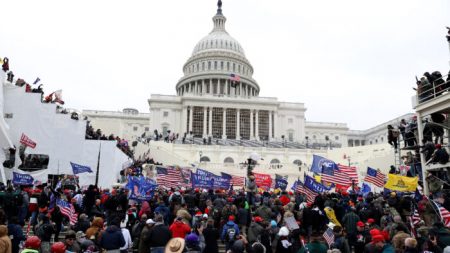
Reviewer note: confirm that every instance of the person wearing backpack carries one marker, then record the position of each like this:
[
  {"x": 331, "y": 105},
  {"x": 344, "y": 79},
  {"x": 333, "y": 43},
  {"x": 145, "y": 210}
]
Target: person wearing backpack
[{"x": 230, "y": 232}]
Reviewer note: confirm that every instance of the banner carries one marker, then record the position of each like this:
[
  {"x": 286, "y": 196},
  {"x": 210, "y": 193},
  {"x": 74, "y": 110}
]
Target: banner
[
  {"x": 281, "y": 183},
  {"x": 141, "y": 188},
  {"x": 320, "y": 163},
  {"x": 27, "y": 141},
  {"x": 207, "y": 180},
  {"x": 315, "y": 186},
  {"x": 22, "y": 179},
  {"x": 401, "y": 183},
  {"x": 263, "y": 180},
  {"x": 77, "y": 169}
]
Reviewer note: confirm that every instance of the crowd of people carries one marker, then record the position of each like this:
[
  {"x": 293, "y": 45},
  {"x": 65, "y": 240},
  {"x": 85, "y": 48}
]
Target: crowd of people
[
  {"x": 199, "y": 220},
  {"x": 122, "y": 144},
  {"x": 432, "y": 85}
]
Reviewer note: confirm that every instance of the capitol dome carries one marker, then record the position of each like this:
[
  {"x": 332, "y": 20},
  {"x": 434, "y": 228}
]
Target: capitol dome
[{"x": 218, "y": 66}]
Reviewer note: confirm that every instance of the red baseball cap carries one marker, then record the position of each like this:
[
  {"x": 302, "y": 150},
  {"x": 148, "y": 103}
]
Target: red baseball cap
[
  {"x": 231, "y": 218},
  {"x": 360, "y": 224},
  {"x": 370, "y": 221},
  {"x": 258, "y": 219}
]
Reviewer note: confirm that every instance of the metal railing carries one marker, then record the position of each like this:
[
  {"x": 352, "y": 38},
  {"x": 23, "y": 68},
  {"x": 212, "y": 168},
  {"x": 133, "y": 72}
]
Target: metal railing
[{"x": 427, "y": 91}]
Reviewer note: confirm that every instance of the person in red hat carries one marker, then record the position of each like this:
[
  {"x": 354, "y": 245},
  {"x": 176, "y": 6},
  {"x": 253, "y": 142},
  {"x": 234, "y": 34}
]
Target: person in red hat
[
  {"x": 32, "y": 245},
  {"x": 230, "y": 233},
  {"x": 380, "y": 245},
  {"x": 362, "y": 237},
  {"x": 255, "y": 230},
  {"x": 58, "y": 247}
]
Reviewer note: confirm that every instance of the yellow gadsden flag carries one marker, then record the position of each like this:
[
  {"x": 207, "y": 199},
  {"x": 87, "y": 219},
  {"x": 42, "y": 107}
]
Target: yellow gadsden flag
[{"x": 401, "y": 183}]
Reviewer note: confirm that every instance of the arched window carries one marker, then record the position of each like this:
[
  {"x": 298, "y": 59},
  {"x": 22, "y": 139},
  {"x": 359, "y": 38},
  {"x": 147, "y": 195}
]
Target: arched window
[
  {"x": 228, "y": 160},
  {"x": 203, "y": 66},
  {"x": 221, "y": 65},
  {"x": 209, "y": 65},
  {"x": 215, "y": 65},
  {"x": 275, "y": 161},
  {"x": 298, "y": 162},
  {"x": 205, "y": 159}
]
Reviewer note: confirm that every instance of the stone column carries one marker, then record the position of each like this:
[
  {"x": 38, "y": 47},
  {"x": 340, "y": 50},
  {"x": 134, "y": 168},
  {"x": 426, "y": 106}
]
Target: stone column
[
  {"x": 251, "y": 125},
  {"x": 210, "y": 87},
  {"x": 274, "y": 124},
  {"x": 191, "y": 113},
  {"x": 183, "y": 120},
  {"x": 224, "y": 123},
  {"x": 238, "y": 125},
  {"x": 204, "y": 122},
  {"x": 270, "y": 125},
  {"x": 218, "y": 87},
  {"x": 203, "y": 86},
  {"x": 210, "y": 121},
  {"x": 257, "y": 125}
]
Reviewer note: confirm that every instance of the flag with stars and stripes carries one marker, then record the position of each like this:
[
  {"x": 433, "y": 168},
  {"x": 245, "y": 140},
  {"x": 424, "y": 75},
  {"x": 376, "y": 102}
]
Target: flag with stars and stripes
[
  {"x": 444, "y": 213},
  {"x": 350, "y": 171},
  {"x": 375, "y": 177},
  {"x": 329, "y": 236},
  {"x": 336, "y": 176},
  {"x": 169, "y": 177},
  {"x": 301, "y": 188},
  {"x": 67, "y": 210},
  {"x": 237, "y": 181}
]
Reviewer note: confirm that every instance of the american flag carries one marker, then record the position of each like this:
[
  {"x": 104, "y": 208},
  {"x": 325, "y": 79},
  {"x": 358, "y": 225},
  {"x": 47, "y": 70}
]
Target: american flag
[
  {"x": 235, "y": 78},
  {"x": 375, "y": 177},
  {"x": 169, "y": 177},
  {"x": 300, "y": 187},
  {"x": 67, "y": 210},
  {"x": 415, "y": 217},
  {"x": 235, "y": 180},
  {"x": 27, "y": 141},
  {"x": 335, "y": 176},
  {"x": 329, "y": 236},
  {"x": 444, "y": 213},
  {"x": 350, "y": 171}
]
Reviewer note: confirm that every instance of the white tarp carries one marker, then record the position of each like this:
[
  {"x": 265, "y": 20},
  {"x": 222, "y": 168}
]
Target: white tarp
[{"x": 59, "y": 137}]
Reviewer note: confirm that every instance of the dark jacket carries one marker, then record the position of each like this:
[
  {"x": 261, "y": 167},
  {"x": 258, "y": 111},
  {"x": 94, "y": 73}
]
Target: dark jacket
[
  {"x": 254, "y": 232},
  {"x": 112, "y": 238},
  {"x": 211, "y": 235},
  {"x": 16, "y": 232},
  {"x": 159, "y": 235}
]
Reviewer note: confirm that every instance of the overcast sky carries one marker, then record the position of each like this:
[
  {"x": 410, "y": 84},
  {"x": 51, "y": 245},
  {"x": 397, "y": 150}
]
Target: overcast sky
[{"x": 349, "y": 61}]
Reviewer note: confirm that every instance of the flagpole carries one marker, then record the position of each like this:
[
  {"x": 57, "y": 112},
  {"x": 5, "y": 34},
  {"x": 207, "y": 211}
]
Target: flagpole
[{"x": 98, "y": 165}]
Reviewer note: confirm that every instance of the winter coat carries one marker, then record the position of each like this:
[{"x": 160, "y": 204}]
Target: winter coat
[
  {"x": 16, "y": 232},
  {"x": 95, "y": 230},
  {"x": 5, "y": 242},
  {"x": 254, "y": 232},
  {"x": 112, "y": 238},
  {"x": 211, "y": 235},
  {"x": 230, "y": 224},
  {"x": 179, "y": 229}
]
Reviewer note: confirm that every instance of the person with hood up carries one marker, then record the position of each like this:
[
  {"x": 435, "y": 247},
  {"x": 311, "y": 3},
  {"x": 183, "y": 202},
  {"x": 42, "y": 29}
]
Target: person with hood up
[
  {"x": 230, "y": 232},
  {"x": 211, "y": 235},
  {"x": 5, "y": 241},
  {"x": 179, "y": 228},
  {"x": 112, "y": 238},
  {"x": 159, "y": 235}
]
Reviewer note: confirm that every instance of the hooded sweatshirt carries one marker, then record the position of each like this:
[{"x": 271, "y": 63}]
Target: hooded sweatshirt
[{"x": 112, "y": 238}]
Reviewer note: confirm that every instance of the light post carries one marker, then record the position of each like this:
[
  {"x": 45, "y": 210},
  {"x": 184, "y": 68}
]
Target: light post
[
  {"x": 201, "y": 154},
  {"x": 307, "y": 141}
]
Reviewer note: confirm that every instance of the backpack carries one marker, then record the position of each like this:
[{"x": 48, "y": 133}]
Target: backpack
[
  {"x": 444, "y": 158},
  {"x": 40, "y": 231},
  {"x": 230, "y": 235}
]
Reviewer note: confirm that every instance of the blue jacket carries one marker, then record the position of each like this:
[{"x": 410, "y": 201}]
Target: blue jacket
[
  {"x": 112, "y": 238},
  {"x": 227, "y": 226}
]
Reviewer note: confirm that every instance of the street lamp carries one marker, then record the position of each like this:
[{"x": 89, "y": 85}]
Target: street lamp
[
  {"x": 307, "y": 141},
  {"x": 201, "y": 154}
]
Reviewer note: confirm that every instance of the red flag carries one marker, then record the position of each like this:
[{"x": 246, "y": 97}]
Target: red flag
[
  {"x": 27, "y": 141},
  {"x": 263, "y": 180}
]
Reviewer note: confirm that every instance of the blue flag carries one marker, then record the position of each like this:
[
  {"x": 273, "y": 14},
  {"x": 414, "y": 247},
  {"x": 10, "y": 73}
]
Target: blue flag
[
  {"x": 77, "y": 169},
  {"x": 314, "y": 185},
  {"x": 320, "y": 163},
  {"x": 365, "y": 189},
  {"x": 281, "y": 183},
  {"x": 22, "y": 179},
  {"x": 207, "y": 180},
  {"x": 141, "y": 188}
]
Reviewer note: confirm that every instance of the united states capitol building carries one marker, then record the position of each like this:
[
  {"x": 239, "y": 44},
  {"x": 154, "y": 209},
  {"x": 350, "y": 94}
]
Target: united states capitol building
[{"x": 217, "y": 104}]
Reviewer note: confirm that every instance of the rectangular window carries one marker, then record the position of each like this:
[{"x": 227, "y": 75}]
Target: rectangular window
[
  {"x": 244, "y": 121},
  {"x": 197, "y": 121},
  {"x": 215, "y": 65},
  {"x": 217, "y": 119},
  {"x": 8, "y": 115},
  {"x": 290, "y": 121},
  {"x": 147, "y": 129},
  {"x": 263, "y": 118},
  {"x": 228, "y": 66},
  {"x": 165, "y": 114},
  {"x": 135, "y": 129},
  {"x": 231, "y": 123}
]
